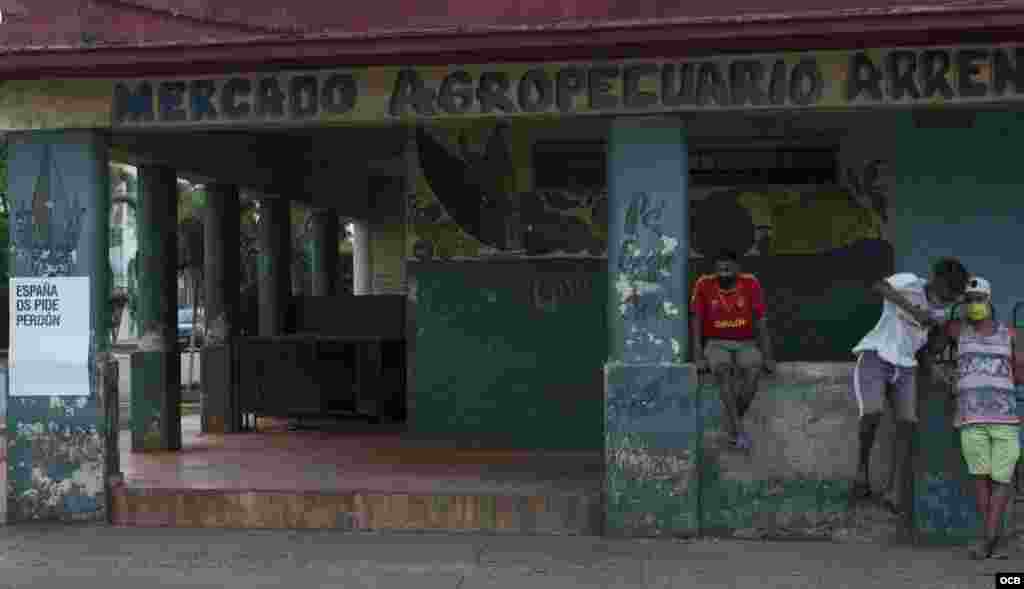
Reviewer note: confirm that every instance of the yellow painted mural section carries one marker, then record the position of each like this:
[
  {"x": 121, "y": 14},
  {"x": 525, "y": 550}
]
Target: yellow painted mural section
[
  {"x": 55, "y": 104},
  {"x": 809, "y": 222}
]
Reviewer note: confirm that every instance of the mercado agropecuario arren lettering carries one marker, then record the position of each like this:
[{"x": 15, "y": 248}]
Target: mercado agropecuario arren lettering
[{"x": 864, "y": 78}]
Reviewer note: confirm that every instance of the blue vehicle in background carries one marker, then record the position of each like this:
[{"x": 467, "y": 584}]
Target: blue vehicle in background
[{"x": 185, "y": 327}]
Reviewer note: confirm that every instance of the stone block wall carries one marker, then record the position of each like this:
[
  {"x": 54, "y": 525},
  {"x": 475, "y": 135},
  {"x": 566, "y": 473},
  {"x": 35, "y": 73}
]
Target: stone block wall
[{"x": 794, "y": 484}]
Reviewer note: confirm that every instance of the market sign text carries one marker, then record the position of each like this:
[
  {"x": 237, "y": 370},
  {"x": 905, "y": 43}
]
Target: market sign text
[{"x": 818, "y": 79}]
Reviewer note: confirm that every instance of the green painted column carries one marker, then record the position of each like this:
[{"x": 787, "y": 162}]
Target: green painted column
[
  {"x": 652, "y": 433},
  {"x": 156, "y": 373},
  {"x": 58, "y": 186},
  {"x": 326, "y": 230},
  {"x": 221, "y": 264},
  {"x": 221, "y": 296},
  {"x": 275, "y": 265}
]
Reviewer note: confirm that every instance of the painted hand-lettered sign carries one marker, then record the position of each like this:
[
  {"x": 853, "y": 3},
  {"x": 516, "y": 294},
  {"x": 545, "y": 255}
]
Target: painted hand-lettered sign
[
  {"x": 50, "y": 347},
  {"x": 824, "y": 79},
  {"x": 789, "y": 80}
]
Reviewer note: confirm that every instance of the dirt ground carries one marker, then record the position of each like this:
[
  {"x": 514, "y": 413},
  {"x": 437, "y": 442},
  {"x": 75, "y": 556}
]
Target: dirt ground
[{"x": 53, "y": 555}]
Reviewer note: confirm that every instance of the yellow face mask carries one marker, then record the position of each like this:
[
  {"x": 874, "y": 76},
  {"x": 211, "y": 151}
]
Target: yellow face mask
[{"x": 977, "y": 311}]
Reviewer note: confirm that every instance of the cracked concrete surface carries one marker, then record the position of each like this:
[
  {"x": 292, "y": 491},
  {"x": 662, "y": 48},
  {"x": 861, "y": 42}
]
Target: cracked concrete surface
[{"x": 52, "y": 555}]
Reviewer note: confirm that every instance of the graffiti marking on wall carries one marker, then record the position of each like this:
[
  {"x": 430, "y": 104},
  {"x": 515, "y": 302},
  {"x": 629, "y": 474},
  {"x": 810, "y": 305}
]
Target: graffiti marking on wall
[
  {"x": 547, "y": 295},
  {"x": 643, "y": 276}
]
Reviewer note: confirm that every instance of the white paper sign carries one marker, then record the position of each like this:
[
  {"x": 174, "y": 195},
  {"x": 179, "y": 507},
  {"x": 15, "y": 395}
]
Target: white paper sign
[{"x": 49, "y": 353}]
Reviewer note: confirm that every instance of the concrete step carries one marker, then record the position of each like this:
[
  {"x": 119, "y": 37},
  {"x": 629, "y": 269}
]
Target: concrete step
[{"x": 137, "y": 506}]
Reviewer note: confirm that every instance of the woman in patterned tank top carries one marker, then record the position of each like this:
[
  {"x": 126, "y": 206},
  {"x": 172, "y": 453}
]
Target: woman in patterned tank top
[{"x": 986, "y": 410}]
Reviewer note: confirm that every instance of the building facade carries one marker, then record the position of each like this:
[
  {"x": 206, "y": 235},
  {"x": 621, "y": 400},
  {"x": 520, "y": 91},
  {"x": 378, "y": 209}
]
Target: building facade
[{"x": 542, "y": 184}]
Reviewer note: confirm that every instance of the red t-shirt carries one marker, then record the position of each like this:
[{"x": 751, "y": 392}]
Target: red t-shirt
[{"x": 728, "y": 314}]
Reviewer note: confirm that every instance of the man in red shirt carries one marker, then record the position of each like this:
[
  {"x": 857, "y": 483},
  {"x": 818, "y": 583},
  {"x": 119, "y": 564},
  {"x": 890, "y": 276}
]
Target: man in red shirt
[{"x": 731, "y": 339}]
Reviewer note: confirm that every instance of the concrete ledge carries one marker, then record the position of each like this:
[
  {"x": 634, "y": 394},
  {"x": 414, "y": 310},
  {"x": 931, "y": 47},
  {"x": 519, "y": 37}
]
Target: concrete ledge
[{"x": 672, "y": 471}]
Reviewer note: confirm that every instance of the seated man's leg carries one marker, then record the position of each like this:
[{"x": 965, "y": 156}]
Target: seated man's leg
[
  {"x": 750, "y": 362},
  {"x": 719, "y": 359}
]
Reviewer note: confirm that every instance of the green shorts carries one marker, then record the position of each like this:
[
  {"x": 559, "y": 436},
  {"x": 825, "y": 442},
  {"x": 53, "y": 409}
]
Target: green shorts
[
  {"x": 991, "y": 450},
  {"x": 744, "y": 354}
]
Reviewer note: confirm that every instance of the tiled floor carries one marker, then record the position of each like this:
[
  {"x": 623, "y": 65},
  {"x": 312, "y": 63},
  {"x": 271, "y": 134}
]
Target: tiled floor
[
  {"x": 364, "y": 460},
  {"x": 362, "y": 478}
]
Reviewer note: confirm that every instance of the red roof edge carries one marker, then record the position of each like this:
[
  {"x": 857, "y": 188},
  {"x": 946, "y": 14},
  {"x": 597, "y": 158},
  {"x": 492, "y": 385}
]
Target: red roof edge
[{"x": 880, "y": 28}]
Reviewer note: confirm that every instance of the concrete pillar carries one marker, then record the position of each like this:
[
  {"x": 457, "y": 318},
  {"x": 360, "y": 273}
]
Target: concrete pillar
[
  {"x": 275, "y": 265},
  {"x": 326, "y": 230},
  {"x": 156, "y": 369},
  {"x": 362, "y": 264},
  {"x": 221, "y": 261},
  {"x": 221, "y": 273},
  {"x": 650, "y": 412},
  {"x": 387, "y": 231},
  {"x": 58, "y": 186}
]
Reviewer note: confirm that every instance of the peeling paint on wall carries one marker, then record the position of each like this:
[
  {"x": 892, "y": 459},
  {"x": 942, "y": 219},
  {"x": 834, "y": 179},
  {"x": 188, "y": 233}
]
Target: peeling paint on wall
[
  {"x": 644, "y": 280},
  {"x": 652, "y": 451},
  {"x": 794, "y": 485},
  {"x": 650, "y": 491},
  {"x": 56, "y": 445}
]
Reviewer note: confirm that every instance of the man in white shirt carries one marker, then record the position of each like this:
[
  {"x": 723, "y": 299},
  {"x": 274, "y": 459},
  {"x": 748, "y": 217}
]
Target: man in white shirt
[{"x": 887, "y": 365}]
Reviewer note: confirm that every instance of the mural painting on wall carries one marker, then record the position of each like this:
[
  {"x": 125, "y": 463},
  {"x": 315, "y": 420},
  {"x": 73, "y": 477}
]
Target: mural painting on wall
[
  {"x": 792, "y": 220},
  {"x": 53, "y": 233},
  {"x": 471, "y": 201}
]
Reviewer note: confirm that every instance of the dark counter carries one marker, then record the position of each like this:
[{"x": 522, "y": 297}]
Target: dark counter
[{"x": 348, "y": 358}]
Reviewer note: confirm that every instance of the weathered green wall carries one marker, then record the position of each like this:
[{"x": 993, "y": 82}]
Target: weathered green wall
[
  {"x": 493, "y": 341},
  {"x": 510, "y": 351}
]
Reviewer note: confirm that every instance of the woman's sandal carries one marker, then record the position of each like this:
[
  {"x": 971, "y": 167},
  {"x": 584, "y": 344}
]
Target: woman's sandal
[
  {"x": 995, "y": 552},
  {"x": 979, "y": 550}
]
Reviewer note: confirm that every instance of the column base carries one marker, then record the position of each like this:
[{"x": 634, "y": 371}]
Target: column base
[
  {"x": 155, "y": 401},
  {"x": 651, "y": 450}
]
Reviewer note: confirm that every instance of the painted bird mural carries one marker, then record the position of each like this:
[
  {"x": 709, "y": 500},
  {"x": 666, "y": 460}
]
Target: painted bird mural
[
  {"x": 472, "y": 187},
  {"x": 468, "y": 183}
]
